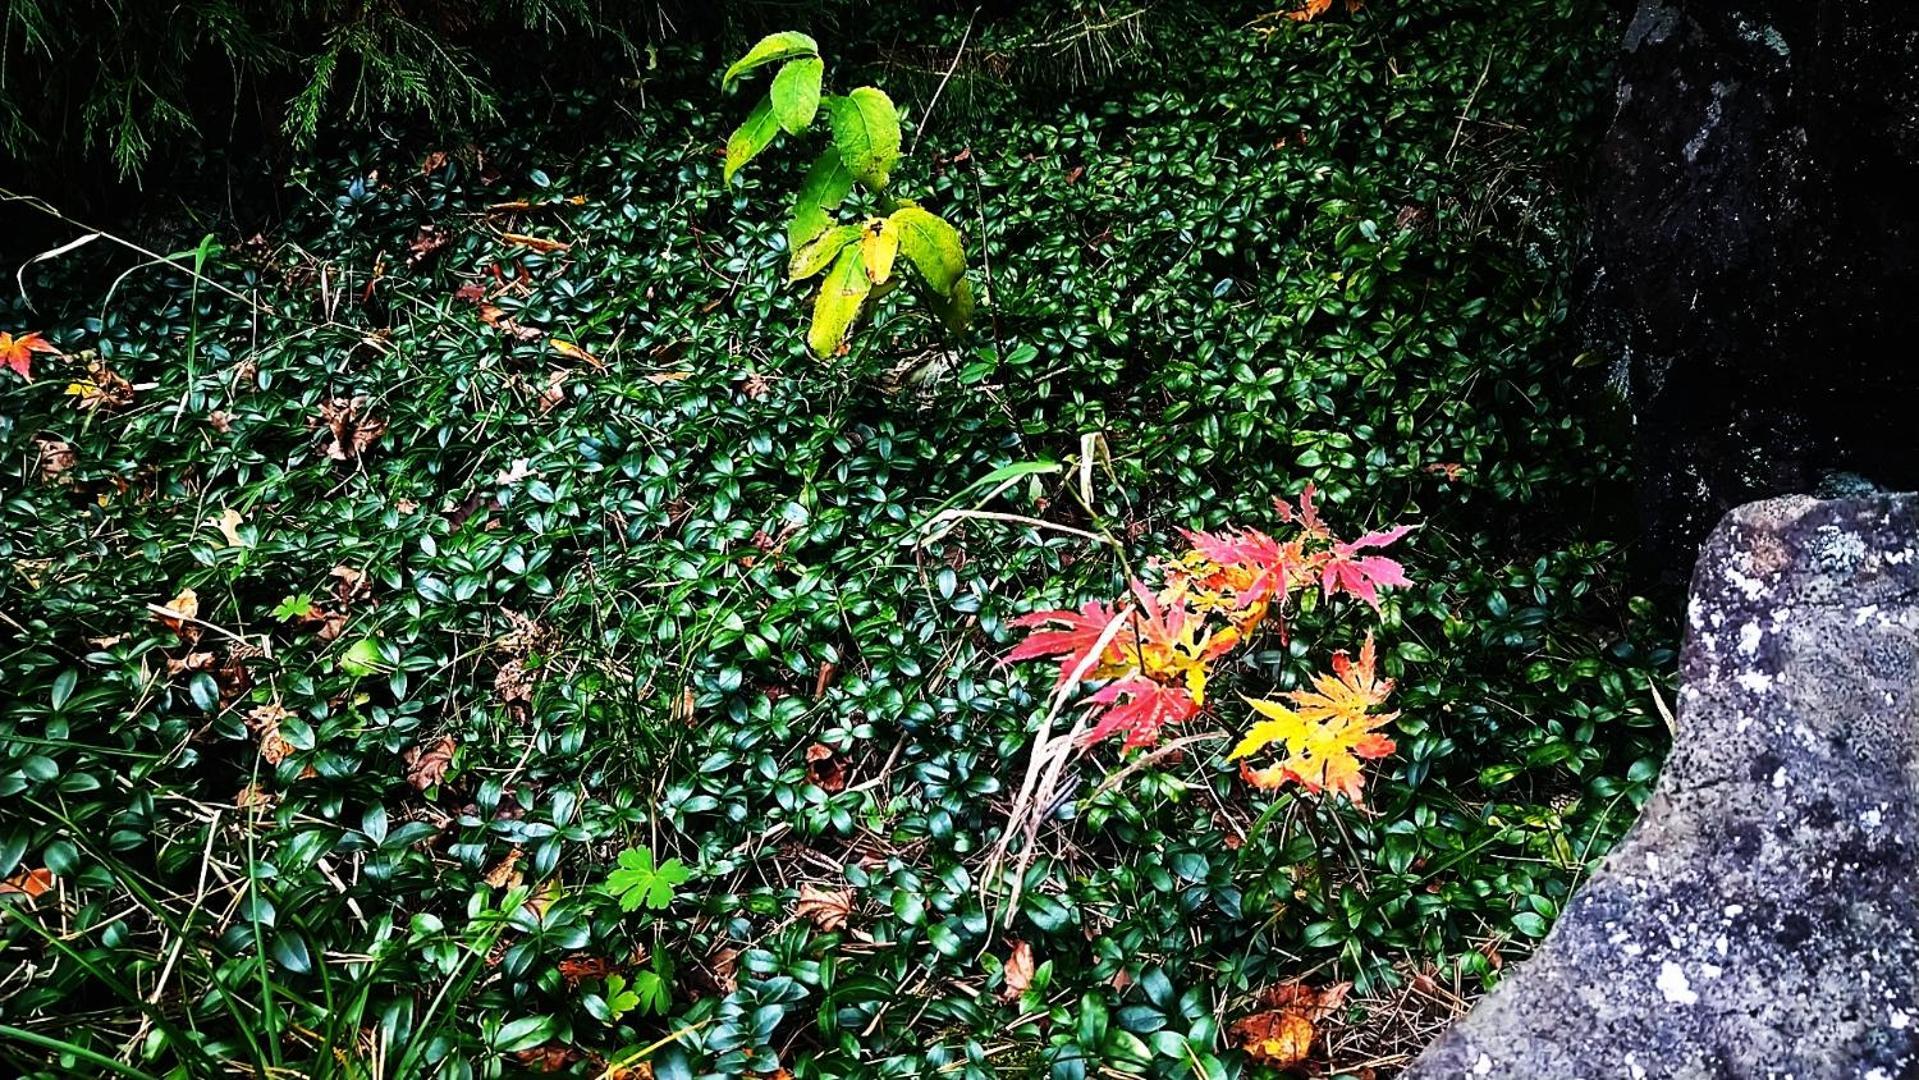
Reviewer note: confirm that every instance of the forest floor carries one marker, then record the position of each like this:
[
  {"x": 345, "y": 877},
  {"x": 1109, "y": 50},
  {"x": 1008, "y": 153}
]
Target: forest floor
[{"x": 463, "y": 628}]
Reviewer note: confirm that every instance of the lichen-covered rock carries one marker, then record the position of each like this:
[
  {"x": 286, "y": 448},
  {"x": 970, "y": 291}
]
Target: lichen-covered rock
[{"x": 1762, "y": 918}]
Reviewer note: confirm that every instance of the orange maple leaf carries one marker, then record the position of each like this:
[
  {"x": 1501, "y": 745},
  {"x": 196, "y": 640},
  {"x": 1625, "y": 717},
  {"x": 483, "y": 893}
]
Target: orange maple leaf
[
  {"x": 16, "y": 353},
  {"x": 1328, "y": 733},
  {"x": 1309, "y": 11}
]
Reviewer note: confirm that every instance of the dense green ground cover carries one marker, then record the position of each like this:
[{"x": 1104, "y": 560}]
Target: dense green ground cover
[{"x": 629, "y": 599}]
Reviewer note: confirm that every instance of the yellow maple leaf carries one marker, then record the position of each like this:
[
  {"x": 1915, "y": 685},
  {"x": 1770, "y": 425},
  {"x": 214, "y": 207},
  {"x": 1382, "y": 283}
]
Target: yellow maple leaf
[{"x": 1326, "y": 735}]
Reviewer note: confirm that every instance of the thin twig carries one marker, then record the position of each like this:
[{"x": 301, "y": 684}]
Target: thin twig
[{"x": 941, "y": 88}]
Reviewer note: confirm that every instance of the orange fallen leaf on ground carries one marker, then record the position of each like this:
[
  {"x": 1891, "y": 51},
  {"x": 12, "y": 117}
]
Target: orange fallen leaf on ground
[
  {"x": 1310, "y": 10},
  {"x": 496, "y": 317},
  {"x": 16, "y": 353},
  {"x": 30, "y": 883},
  {"x": 579, "y": 968},
  {"x": 537, "y": 243},
  {"x": 574, "y": 352},
  {"x": 1282, "y": 1035},
  {"x": 826, "y": 908},
  {"x": 1019, "y": 970},
  {"x": 548, "y": 1059},
  {"x": 824, "y": 769}
]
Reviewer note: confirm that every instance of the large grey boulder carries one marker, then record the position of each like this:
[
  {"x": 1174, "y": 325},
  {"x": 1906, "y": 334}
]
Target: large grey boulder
[{"x": 1762, "y": 917}]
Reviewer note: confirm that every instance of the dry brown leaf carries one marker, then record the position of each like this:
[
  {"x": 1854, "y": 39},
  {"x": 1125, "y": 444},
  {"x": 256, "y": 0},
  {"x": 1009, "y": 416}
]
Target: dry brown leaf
[
  {"x": 514, "y": 682},
  {"x": 503, "y": 873},
  {"x": 56, "y": 457},
  {"x": 554, "y": 393},
  {"x": 251, "y": 796},
  {"x": 30, "y": 883},
  {"x": 580, "y": 967},
  {"x": 548, "y": 1059},
  {"x": 265, "y": 722},
  {"x": 220, "y": 420},
  {"x": 230, "y": 522},
  {"x": 725, "y": 965},
  {"x": 498, "y": 319},
  {"x": 433, "y": 163},
  {"x": 349, "y": 428},
  {"x": 824, "y": 679},
  {"x": 541, "y": 243},
  {"x": 756, "y": 386},
  {"x": 662, "y": 378},
  {"x": 825, "y": 908},
  {"x": 1310, "y": 10},
  {"x": 100, "y": 389},
  {"x": 1019, "y": 970},
  {"x": 176, "y": 613},
  {"x": 427, "y": 766},
  {"x": 426, "y": 244},
  {"x": 823, "y": 769},
  {"x": 574, "y": 352}
]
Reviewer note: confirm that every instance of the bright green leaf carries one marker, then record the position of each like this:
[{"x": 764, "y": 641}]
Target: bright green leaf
[
  {"x": 753, "y": 135},
  {"x": 770, "y": 49},
  {"x": 933, "y": 247},
  {"x": 866, "y": 129},
  {"x": 796, "y": 93}
]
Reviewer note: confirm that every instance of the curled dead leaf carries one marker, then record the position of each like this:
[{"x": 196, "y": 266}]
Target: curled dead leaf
[
  {"x": 580, "y": 967},
  {"x": 543, "y": 244},
  {"x": 348, "y": 428},
  {"x": 504, "y": 873},
  {"x": 1019, "y": 970},
  {"x": 823, "y": 769},
  {"x": 825, "y": 908},
  {"x": 265, "y": 722},
  {"x": 661, "y": 378},
  {"x": 428, "y": 765},
  {"x": 56, "y": 456},
  {"x": 176, "y": 614},
  {"x": 574, "y": 352}
]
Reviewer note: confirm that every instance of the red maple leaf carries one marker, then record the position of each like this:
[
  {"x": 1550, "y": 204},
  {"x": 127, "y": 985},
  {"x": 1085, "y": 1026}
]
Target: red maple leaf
[
  {"x": 1362, "y": 576},
  {"x": 1307, "y": 514},
  {"x": 1267, "y": 561},
  {"x": 1149, "y": 707},
  {"x": 1069, "y": 635},
  {"x": 16, "y": 353}
]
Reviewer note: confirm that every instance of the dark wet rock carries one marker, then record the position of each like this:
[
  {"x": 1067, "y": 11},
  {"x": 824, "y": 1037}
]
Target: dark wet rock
[
  {"x": 1762, "y": 917},
  {"x": 1756, "y": 252}
]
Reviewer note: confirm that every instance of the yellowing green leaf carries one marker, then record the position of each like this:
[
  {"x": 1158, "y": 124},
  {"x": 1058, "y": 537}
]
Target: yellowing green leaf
[
  {"x": 812, "y": 257},
  {"x": 956, "y": 311},
  {"x": 866, "y": 129},
  {"x": 838, "y": 305},
  {"x": 879, "y": 243},
  {"x": 796, "y": 93},
  {"x": 752, "y": 136},
  {"x": 933, "y": 247},
  {"x": 824, "y": 189},
  {"x": 770, "y": 49}
]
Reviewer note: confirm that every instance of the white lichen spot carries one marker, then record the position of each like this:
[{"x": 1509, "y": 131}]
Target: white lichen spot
[
  {"x": 1899, "y": 1018},
  {"x": 1711, "y": 971},
  {"x": 1633, "y": 949},
  {"x": 1749, "y": 637},
  {"x": 1779, "y": 778},
  {"x": 1720, "y": 946},
  {"x": 1757, "y": 682},
  {"x": 1483, "y": 1066},
  {"x": 1733, "y": 911},
  {"x": 1864, "y": 615},
  {"x": 1672, "y": 983},
  {"x": 1871, "y": 818},
  {"x": 1652, "y": 862}
]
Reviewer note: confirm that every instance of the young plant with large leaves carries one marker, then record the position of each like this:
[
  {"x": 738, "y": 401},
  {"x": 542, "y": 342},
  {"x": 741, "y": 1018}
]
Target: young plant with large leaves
[{"x": 856, "y": 258}]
